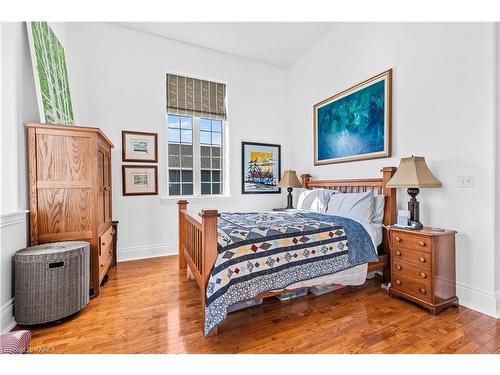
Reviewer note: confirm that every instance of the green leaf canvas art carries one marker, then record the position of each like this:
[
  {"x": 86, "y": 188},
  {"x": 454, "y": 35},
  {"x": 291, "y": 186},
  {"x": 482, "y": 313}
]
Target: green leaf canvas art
[{"x": 51, "y": 76}]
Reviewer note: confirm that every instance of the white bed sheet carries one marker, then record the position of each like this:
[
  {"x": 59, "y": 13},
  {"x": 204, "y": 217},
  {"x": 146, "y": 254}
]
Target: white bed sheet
[{"x": 351, "y": 276}]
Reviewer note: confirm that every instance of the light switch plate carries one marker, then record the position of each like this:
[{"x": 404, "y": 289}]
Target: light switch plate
[{"x": 466, "y": 181}]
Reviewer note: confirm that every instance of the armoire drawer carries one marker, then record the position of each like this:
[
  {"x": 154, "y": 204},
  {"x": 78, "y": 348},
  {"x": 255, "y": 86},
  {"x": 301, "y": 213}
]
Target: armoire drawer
[{"x": 105, "y": 251}]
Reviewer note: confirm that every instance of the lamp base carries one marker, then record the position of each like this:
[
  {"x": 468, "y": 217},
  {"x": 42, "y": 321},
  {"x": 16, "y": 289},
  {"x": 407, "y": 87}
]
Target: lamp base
[
  {"x": 289, "y": 203},
  {"x": 415, "y": 225},
  {"x": 414, "y": 208}
]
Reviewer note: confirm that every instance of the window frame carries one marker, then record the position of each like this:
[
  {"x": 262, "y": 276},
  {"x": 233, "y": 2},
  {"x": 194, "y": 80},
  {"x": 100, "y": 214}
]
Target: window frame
[{"x": 197, "y": 160}]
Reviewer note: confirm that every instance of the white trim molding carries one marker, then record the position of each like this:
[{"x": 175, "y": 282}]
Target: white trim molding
[
  {"x": 168, "y": 201},
  {"x": 125, "y": 254},
  {"x": 479, "y": 300},
  {"x": 12, "y": 218},
  {"x": 7, "y": 322}
]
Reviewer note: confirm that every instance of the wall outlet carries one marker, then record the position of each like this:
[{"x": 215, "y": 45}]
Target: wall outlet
[{"x": 466, "y": 181}]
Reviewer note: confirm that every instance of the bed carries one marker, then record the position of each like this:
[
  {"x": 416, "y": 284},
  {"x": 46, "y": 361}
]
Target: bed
[{"x": 238, "y": 256}]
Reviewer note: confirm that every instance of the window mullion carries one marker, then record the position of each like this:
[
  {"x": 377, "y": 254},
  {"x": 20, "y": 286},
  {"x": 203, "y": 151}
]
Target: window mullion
[
  {"x": 225, "y": 159},
  {"x": 196, "y": 157}
]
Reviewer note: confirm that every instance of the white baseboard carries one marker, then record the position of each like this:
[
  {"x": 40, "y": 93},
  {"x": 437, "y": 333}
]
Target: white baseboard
[
  {"x": 7, "y": 321},
  {"x": 125, "y": 254},
  {"x": 479, "y": 300}
]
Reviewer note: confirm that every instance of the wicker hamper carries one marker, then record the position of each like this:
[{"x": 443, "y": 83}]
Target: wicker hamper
[{"x": 51, "y": 281}]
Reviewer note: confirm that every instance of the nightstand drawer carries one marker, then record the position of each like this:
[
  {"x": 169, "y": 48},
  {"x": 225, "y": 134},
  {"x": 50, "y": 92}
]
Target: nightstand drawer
[
  {"x": 416, "y": 289},
  {"x": 416, "y": 257},
  {"x": 413, "y": 242},
  {"x": 412, "y": 271}
]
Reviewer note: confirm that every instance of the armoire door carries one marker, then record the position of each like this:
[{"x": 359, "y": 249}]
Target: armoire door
[
  {"x": 107, "y": 188},
  {"x": 62, "y": 185},
  {"x": 104, "y": 190}
]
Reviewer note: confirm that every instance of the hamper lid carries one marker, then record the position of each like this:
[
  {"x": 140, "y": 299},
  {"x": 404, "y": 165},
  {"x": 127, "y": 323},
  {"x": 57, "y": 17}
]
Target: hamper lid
[{"x": 53, "y": 248}]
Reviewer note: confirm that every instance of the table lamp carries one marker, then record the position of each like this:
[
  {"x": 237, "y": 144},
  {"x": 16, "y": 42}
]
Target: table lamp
[
  {"x": 413, "y": 173},
  {"x": 289, "y": 181}
]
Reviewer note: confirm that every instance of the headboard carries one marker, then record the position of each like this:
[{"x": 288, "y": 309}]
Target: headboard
[{"x": 359, "y": 186}]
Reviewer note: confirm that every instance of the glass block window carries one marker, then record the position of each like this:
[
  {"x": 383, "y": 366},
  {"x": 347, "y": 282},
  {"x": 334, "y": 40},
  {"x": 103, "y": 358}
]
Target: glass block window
[
  {"x": 180, "y": 155},
  {"x": 195, "y": 156},
  {"x": 211, "y": 156}
]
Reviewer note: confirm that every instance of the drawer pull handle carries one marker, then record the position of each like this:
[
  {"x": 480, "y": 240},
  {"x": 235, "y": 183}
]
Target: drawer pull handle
[
  {"x": 110, "y": 251},
  {"x": 421, "y": 259},
  {"x": 398, "y": 282},
  {"x": 398, "y": 253},
  {"x": 397, "y": 239},
  {"x": 422, "y": 290},
  {"x": 398, "y": 267},
  {"x": 423, "y": 275},
  {"x": 421, "y": 243},
  {"x": 102, "y": 265},
  {"x": 103, "y": 243}
]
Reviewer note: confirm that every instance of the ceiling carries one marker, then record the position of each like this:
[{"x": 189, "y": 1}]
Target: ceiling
[{"x": 276, "y": 43}]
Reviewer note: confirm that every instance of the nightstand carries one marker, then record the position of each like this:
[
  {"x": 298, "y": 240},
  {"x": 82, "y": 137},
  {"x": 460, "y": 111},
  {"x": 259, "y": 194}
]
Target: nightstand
[{"x": 423, "y": 267}]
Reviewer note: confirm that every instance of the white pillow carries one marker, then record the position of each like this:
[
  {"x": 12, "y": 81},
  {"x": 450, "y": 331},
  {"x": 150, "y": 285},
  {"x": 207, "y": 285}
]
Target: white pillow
[
  {"x": 314, "y": 200},
  {"x": 378, "y": 209},
  {"x": 353, "y": 205}
]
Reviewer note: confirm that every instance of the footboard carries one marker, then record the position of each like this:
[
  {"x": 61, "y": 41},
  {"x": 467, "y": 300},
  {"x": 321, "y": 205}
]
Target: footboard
[{"x": 198, "y": 246}]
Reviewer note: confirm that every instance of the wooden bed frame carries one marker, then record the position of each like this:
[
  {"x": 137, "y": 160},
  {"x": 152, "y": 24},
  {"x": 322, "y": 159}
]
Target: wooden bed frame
[{"x": 198, "y": 240}]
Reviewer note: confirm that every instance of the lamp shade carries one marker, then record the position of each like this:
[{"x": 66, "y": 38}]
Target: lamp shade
[
  {"x": 413, "y": 173},
  {"x": 289, "y": 179}
]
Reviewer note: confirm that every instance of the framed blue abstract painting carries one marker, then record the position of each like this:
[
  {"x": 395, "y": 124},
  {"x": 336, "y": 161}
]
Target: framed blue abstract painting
[{"x": 356, "y": 123}]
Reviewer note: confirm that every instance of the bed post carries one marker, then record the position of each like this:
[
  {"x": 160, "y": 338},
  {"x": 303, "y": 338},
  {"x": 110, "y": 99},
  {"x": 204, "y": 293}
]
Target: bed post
[
  {"x": 305, "y": 180},
  {"x": 209, "y": 246},
  {"x": 389, "y": 217},
  {"x": 182, "y": 208}
]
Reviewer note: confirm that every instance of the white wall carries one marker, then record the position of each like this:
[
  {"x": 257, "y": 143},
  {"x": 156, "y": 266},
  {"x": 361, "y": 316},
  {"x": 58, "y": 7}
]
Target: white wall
[
  {"x": 442, "y": 109},
  {"x": 120, "y": 85},
  {"x": 18, "y": 107}
]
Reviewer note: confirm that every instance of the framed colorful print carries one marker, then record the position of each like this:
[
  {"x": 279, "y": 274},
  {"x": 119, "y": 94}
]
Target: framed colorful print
[
  {"x": 140, "y": 180},
  {"x": 356, "y": 123},
  {"x": 139, "y": 147},
  {"x": 261, "y": 168},
  {"x": 50, "y": 73}
]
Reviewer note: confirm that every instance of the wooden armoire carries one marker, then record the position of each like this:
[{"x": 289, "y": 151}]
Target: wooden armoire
[{"x": 70, "y": 192}]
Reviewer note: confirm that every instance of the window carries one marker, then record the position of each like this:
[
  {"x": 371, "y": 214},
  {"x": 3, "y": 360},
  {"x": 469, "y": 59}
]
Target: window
[
  {"x": 196, "y": 114},
  {"x": 180, "y": 155},
  {"x": 195, "y": 155},
  {"x": 211, "y": 156}
]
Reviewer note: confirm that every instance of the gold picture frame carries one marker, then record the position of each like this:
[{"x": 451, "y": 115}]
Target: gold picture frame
[{"x": 347, "y": 120}]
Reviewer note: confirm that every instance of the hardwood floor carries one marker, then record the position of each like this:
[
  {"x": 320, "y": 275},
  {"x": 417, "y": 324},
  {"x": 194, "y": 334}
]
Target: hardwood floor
[{"x": 148, "y": 306}]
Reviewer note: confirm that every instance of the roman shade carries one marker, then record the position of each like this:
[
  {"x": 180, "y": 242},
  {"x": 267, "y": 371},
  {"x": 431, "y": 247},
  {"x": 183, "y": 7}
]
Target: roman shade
[{"x": 196, "y": 97}]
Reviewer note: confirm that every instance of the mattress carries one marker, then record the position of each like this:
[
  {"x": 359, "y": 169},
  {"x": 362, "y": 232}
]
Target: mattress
[{"x": 351, "y": 276}]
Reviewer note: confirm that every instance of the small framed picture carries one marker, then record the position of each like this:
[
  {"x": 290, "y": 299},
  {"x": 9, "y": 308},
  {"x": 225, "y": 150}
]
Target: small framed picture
[
  {"x": 139, "y": 147},
  {"x": 261, "y": 168},
  {"x": 140, "y": 180}
]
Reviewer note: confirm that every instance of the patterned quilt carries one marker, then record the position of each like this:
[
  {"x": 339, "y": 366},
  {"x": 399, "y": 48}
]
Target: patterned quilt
[{"x": 261, "y": 252}]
